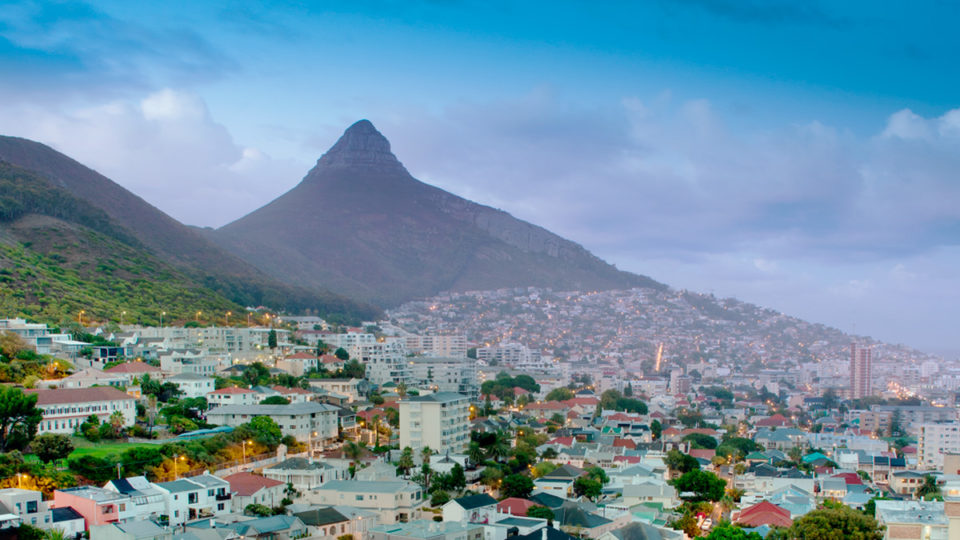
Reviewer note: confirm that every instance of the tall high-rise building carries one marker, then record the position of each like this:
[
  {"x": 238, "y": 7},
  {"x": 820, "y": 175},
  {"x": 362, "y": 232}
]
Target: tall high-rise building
[{"x": 860, "y": 367}]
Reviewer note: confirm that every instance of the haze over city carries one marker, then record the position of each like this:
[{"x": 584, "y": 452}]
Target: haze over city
[{"x": 798, "y": 155}]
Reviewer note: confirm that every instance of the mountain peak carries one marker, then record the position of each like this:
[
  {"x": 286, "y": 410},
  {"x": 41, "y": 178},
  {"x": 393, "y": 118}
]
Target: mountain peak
[{"x": 361, "y": 145}]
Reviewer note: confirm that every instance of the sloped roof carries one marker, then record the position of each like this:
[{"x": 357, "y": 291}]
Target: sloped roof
[
  {"x": 475, "y": 501},
  {"x": 765, "y": 513},
  {"x": 246, "y": 484}
]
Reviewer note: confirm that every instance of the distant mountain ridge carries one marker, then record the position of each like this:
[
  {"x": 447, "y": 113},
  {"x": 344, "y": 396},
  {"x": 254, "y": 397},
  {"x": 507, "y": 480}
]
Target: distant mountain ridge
[
  {"x": 360, "y": 224},
  {"x": 40, "y": 181}
]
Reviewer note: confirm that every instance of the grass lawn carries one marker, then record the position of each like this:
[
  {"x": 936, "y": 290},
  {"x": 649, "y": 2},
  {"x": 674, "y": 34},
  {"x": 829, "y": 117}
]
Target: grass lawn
[{"x": 84, "y": 447}]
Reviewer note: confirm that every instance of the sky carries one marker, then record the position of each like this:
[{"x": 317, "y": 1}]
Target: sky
[{"x": 800, "y": 155}]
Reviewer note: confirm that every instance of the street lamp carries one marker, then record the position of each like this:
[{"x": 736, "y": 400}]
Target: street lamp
[
  {"x": 248, "y": 318},
  {"x": 176, "y": 473},
  {"x": 162, "y": 313},
  {"x": 198, "y": 315},
  {"x": 122, "y": 313},
  {"x": 81, "y": 317},
  {"x": 244, "y": 445},
  {"x": 20, "y": 477},
  {"x": 226, "y": 318}
]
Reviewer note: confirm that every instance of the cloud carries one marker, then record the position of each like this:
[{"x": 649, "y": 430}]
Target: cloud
[
  {"x": 56, "y": 49},
  {"x": 167, "y": 149}
]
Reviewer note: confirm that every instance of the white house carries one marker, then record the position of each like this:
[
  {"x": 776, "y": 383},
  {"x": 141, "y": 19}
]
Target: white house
[
  {"x": 192, "y": 385},
  {"x": 248, "y": 488},
  {"x": 309, "y": 422},
  {"x": 65, "y": 409},
  {"x": 198, "y": 497}
]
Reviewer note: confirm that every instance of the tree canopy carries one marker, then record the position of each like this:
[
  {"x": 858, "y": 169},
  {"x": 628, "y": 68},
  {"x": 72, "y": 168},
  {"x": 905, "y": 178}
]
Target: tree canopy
[
  {"x": 704, "y": 486},
  {"x": 19, "y": 418}
]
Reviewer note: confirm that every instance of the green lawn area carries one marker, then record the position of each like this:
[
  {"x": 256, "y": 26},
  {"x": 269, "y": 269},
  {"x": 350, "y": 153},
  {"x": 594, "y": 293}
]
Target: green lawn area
[{"x": 84, "y": 447}]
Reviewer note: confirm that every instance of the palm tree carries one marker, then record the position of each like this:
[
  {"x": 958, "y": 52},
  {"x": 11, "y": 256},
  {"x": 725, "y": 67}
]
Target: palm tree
[
  {"x": 425, "y": 454},
  {"x": 405, "y": 463},
  {"x": 475, "y": 453},
  {"x": 402, "y": 389},
  {"x": 353, "y": 451},
  {"x": 116, "y": 422},
  {"x": 499, "y": 449}
]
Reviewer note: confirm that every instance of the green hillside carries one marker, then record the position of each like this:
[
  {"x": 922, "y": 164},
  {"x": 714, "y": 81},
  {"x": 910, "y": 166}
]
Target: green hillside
[{"x": 60, "y": 255}]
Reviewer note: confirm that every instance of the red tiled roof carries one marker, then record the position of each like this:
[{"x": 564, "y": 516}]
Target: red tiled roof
[
  {"x": 233, "y": 390},
  {"x": 573, "y": 402},
  {"x": 702, "y": 453},
  {"x": 246, "y": 484},
  {"x": 775, "y": 420},
  {"x": 515, "y": 506},
  {"x": 909, "y": 449},
  {"x": 133, "y": 367},
  {"x": 765, "y": 513},
  {"x": 564, "y": 441},
  {"x": 78, "y": 395},
  {"x": 517, "y": 391},
  {"x": 624, "y": 443},
  {"x": 701, "y": 431},
  {"x": 547, "y": 406},
  {"x": 301, "y": 356},
  {"x": 330, "y": 359}
]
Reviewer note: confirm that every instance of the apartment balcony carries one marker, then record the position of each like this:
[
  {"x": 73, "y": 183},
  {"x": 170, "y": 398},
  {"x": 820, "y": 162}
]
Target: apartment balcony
[{"x": 224, "y": 496}]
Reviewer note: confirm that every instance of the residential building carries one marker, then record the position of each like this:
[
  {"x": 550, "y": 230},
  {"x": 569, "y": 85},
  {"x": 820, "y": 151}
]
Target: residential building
[
  {"x": 133, "y": 530},
  {"x": 560, "y": 481},
  {"x": 861, "y": 363},
  {"x": 298, "y": 364},
  {"x": 197, "y": 497},
  {"x": 193, "y": 385},
  {"x": 311, "y": 422},
  {"x": 480, "y": 508},
  {"x": 281, "y": 527},
  {"x": 27, "y": 505},
  {"x": 189, "y": 361},
  {"x": 445, "y": 374},
  {"x": 98, "y": 506},
  {"x": 67, "y": 520},
  {"x": 64, "y": 409},
  {"x": 397, "y": 501},
  {"x": 232, "y": 395},
  {"x": 248, "y": 488},
  {"x": 447, "y": 345},
  {"x": 330, "y": 523},
  {"x": 305, "y": 474},
  {"x": 427, "y": 530},
  {"x": 440, "y": 421},
  {"x": 934, "y": 440},
  {"x": 919, "y": 520},
  {"x": 146, "y": 501},
  {"x": 348, "y": 388},
  {"x": 907, "y": 482}
]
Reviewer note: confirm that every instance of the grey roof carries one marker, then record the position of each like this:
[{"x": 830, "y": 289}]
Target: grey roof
[
  {"x": 207, "y": 480},
  {"x": 264, "y": 525},
  {"x": 141, "y": 528},
  {"x": 95, "y": 493},
  {"x": 571, "y": 515},
  {"x": 475, "y": 501},
  {"x": 179, "y": 486},
  {"x": 519, "y": 522},
  {"x": 423, "y": 528},
  {"x": 299, "y": 464},
  {"x": 274, "y": 410},
  {"x": 316, "y": 517},
  {"x": 188, "y": 376},
  {"x": 552, "y": 534},
  {"x": 564, "y": 472},
  {"x": 439, "y": 397},
  {"x": 644, "y": 531},
  {"x": 356, "y": 486},
  {"x": 64, "y": 513}
]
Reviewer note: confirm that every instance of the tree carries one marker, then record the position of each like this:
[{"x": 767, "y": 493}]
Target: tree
[
  {"x": 831, "y": 523},
  {"x": 559, "y": 394},
  {"x": 457, "y": 478},
  {"x": 543, "y": 468},
  {"x": 585, "y": 486},
  {"x": 19, "y": 418},
  {"x": 342, "y": 354},
  {"x": 598, "y": 474},
  {"x": 491, "y": 477},
  {"x": 680, "y": 462},
  {"x": 656, "y": 429},
  {"x": 701, "y": 440},
  {"x": 272, "y": 339},
  {"x": 929, "y": 488},
  {"x": 405, "y": 463},
  {"x": 830, "y": 400},
  {"x": 728, "y": 531},
  {"x": 439, "y": 498},
  {"x": 354, "y": 369},
  {"x": 51, "y": 446},
  {"x": 11, "y": 344},
  {"x": 704, "y": 485},
  {"x": 628, "y": 391},
  {"x": 499, "y": 449},
  {"x": 542, "y": 512},
  {"x": 263, "y": 430},
  {"x": 475, "y": 453},
  {"x": 257, "y": 510},
  {"x": 275, "y": 400},
  {"x": 516, "y": 485}
]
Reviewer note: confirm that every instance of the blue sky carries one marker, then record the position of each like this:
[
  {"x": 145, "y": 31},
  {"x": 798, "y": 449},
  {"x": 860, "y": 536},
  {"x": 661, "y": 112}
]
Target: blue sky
[{"x": 796, "y": 154}]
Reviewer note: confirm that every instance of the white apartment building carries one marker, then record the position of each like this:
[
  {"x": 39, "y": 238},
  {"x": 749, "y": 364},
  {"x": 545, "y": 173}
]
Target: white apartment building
[
  {"x": 216, "y": 339},
  {"x": 198, "y": 497},
  {"x": 192, "y": 385},
  {"x": 445, "y": 375},
  {"x": 233, "y": 395},
  {"x": 451, "y": 345},
  {"x": 396, "y": 501},
  {"x": 934, "y": 440},
  {"x": 386, "y": 361},
  {"x": 507, "y": 353},
  {"x": 189, "y": 361},
  {"x": 440, "y": 421},
  {"x": 309, "y": 422},
  {"x": 64, "y": 409}
]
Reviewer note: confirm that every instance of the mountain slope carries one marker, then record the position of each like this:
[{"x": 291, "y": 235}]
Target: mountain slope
[
  {"x": 361, "y": 224},
  {"x": 59, "y": 255},
  {"x": 170, "y": 241}
]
